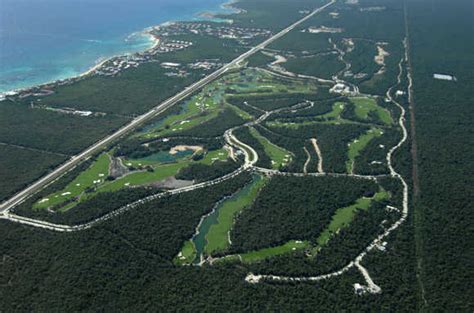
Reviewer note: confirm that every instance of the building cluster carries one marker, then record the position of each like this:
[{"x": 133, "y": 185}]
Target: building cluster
[
  {"x": 36, "y": 93},
  {"x": 343, "y": 89},
  {"x": 205, "y": 65},
  {"x": 322, "y": 29},
  {"x": 241, "y": 34},
  {"x": 355, "y": 76},
  {"x": 165, "y": 46},
  {"x": 372, "y": 9},
  {"x": 118, "y": 64}
]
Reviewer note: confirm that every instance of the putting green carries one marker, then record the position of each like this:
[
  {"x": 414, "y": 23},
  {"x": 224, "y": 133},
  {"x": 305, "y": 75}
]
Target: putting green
[{"x": 187, "y": 254}]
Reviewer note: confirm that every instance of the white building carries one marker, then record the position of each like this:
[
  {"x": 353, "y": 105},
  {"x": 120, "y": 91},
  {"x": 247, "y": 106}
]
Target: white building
[{"x": 444, "y": 77}]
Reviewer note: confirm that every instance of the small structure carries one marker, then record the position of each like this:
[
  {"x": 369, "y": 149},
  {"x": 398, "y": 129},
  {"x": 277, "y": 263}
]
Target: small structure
[
  {"x": 444, "y": 77},
  {"x": 342, "y": 89},
  {"x": 359, "y": 289}
]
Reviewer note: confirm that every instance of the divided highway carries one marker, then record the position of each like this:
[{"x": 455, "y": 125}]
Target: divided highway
[{"x": 58, "y": 172}]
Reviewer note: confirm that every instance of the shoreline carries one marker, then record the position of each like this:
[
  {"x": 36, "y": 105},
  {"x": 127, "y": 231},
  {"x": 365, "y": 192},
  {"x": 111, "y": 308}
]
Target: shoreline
[
  {"x": 227, "y": 6},
  {"x": 154, "y": 41}
]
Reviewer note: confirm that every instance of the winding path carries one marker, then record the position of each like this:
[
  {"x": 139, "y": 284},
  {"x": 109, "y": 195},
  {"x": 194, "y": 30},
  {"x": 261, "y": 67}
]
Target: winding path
[
  {"x": 251, "y": 158},
  {"x": 7, "y": 205},
  {"x": 371, "y": 286},
  {"x": 320, "y": 155}
]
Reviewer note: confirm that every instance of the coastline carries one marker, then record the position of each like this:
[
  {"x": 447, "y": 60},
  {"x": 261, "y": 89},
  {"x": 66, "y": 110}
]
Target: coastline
[
  {"x": 227, "y": 6},
  {"x": 154, "y": 42}
]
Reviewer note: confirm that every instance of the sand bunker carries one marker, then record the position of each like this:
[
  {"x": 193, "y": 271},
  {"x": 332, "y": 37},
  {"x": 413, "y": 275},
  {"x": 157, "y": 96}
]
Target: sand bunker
[{"x": 182, "y": 148}]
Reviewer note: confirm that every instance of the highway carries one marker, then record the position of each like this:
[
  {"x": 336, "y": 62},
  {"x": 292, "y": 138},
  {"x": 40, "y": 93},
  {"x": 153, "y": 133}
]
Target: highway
[{"x": 75, "y": 160}]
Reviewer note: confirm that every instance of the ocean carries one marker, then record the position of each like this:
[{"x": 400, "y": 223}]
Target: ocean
[{"x": 47, "y": 40}]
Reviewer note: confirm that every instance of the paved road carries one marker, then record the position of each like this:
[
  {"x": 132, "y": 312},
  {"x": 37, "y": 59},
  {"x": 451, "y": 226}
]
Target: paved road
[{"x": 42, "y": 182}]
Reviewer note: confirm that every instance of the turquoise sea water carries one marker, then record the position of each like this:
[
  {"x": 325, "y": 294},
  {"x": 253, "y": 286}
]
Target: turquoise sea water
[{"x": 46, "y": 40}]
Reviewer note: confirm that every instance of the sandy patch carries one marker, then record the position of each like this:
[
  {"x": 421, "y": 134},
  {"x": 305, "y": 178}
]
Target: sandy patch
[
  {"x": 182, "y": 148},
  {"x": 172, "y": 183},
  {"x": 380, "y": 57},
  {"x": 324, "y": 29}
]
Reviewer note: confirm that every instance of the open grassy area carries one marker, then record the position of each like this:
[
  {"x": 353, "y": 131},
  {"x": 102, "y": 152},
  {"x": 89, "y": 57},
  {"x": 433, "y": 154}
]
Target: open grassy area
[
  {"x": 187, "y": 254},
  {"x": 363, "y": 106},
  {"x": 95, "y": 175},
  {"x": 95, "y": 178},
  {"x": 356, "y": 146},
  {"x": 217, "y": 237},
  {"x": 336, "y": 112},
  {"x": 343, "y": 217},
  {"x": 145, "y": 177},
  {"x": 160, "y": 172},
  {"x": 198, "y": 109},
  {"x": 259, "y": 255},
  {"x": 208, "y": 103},
  {"x": 279, "y": 156},
  {"x": 332, "y": 117},
  {"x": 240, "y": 112}
]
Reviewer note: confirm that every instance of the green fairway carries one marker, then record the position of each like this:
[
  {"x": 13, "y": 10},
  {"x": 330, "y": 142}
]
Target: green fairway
[
  {"x": 217, "y": 237},
  {"x": 337, "y": 109},
  {"x": 356, "y": 146},
  {"x": 145, "y": 177},
  {"x": 343, "y": 217},
  {"x": 200, "y": 108},
  {"x": 213, "y": 156},
  {"x": 259, "y": 255},
  {"x": 363, "y": 106},
  {"x": 207, "y": 104},
  {"x": 161, "y": 172},
  {"x": 94, "y": 176},
  {"x": 279, "y": 156},
  {"x": 246, "y": 116},
  {"x": 187, "y": 254},
  {"x": 160, "y": 157},
  {"x": 332, "y": 117}
]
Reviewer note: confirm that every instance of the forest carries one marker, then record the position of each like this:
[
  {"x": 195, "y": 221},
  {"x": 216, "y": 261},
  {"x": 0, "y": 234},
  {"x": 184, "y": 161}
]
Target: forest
[
  {"x": 443, "y": 116},
  {"x": 127, "y": 263},
  {"x": 53, "y": 132},
  {"x": 21, "y": 166},
  {"x": 293, "y": 208},
  {"x": 333, "y": 140}
]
